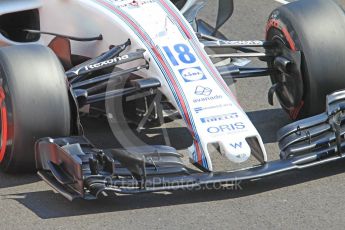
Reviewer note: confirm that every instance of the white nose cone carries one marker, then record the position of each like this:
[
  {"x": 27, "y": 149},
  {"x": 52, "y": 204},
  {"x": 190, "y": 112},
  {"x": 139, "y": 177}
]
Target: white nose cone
[{"x": 236, "y": 151}]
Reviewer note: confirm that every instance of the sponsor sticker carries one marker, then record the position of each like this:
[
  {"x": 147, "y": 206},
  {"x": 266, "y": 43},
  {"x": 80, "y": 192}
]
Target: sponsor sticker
[
  {"x": 206, "y": 92},
  {"x": 192, "y": 74},
  {"x": 223, "y": 117},
  {"x": 200, "y": 109},
  {"x": 203, "y": 91},
  {"x": 107, "y": 62},
  {"x": 237, "y": 152},
  {"x": 226, "y": 128}
]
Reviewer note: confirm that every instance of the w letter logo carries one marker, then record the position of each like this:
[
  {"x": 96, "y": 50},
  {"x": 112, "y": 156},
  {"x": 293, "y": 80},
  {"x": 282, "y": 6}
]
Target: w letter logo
[{"x": 236, "y": 145}]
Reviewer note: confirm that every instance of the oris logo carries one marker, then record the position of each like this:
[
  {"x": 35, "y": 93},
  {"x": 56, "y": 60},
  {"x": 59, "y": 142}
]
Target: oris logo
[{"x": 226, "y": 128}]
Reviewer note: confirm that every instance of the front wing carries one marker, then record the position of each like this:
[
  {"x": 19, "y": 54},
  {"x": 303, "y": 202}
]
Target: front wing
[{"x": 77, "y": 169}]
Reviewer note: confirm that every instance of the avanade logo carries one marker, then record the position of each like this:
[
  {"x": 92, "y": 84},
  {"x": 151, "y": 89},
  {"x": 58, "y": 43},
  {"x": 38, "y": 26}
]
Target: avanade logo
[
  {"x": 203, "y": 91},
  {"x": 206, "y": 93}
]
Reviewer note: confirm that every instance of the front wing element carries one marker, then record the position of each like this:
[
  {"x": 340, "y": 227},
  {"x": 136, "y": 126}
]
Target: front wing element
[
  {"x": 70, "y": 173},
  {"x": 77, "y": 169}
]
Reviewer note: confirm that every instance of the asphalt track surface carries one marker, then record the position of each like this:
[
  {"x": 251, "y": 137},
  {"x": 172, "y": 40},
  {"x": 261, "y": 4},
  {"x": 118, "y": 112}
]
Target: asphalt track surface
[{"x": 312, "y": 199}]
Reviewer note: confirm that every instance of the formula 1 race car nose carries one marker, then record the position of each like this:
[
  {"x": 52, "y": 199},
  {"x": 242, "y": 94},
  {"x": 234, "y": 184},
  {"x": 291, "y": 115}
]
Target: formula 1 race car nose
[{"x": 237, "y": 151}]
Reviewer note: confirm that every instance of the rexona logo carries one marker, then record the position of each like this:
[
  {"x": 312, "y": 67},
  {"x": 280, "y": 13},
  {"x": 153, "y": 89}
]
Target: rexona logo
[
  {"x": 226, "y": 128},
  {"x": 192, "y": 74},
  {"x": 107, "y": 62},
  {"x": 205, "y": 91},
  {"x": 219, "y": 118}
]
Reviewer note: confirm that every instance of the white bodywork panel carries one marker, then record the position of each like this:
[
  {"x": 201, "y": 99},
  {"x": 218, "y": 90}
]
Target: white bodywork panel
[
  {"x": 176, "y": 57},
  {"x": 11, "y": 6}
]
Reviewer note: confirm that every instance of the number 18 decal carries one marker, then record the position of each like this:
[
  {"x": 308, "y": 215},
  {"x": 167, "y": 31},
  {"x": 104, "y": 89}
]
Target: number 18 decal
[{"x": 183, "y": 53}]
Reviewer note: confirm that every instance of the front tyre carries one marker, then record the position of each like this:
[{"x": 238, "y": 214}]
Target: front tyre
[
  {"x": 316, "y": 29},
  {"x": 34, "y": 103}
]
